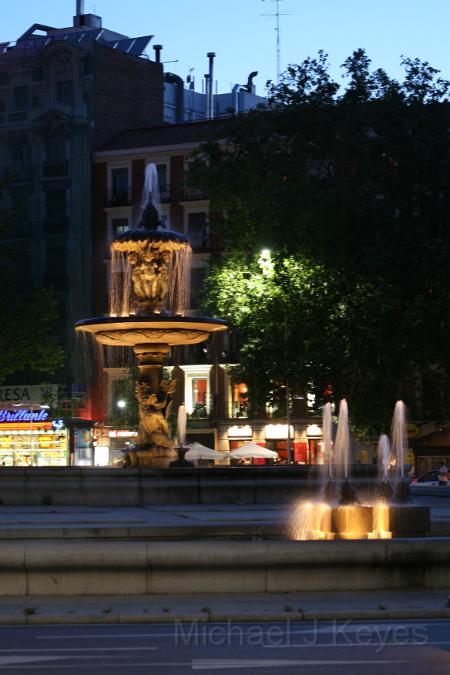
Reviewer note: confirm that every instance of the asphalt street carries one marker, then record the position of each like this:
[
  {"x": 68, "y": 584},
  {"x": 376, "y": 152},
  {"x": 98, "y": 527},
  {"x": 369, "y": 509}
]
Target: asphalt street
[{"x": 326, "y": 648}]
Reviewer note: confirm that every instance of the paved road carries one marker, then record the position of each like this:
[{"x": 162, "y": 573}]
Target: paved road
[{"x": 330, "y": 648}]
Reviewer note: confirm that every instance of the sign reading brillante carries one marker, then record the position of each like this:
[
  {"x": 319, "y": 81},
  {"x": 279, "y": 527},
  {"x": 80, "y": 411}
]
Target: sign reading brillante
[{"x": 23, "y": 416}]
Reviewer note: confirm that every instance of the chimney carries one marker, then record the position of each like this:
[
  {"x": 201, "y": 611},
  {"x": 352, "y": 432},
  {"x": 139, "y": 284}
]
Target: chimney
[
  {"x": 88, "y": 20},
  {"x": 157, "y": 49},
  {"x": 79, "y": 13},
  {"x": 210, "y": 94},
  {"x": 207, "y": 93}
]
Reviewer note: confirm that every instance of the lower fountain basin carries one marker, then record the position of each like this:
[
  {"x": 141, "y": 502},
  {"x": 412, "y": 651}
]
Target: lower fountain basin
[
  {"x": 352, "y": 521},
  {"x": 318, "y": 520},
  {"x": 128, "y": 331}
]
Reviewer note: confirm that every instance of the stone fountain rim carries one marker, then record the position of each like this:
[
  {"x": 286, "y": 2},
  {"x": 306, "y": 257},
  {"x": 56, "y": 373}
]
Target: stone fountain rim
[
  {"x": 160, "y": 320},
  {"x": 154, "y": 236},
  {"x": 130, "y": 331}
]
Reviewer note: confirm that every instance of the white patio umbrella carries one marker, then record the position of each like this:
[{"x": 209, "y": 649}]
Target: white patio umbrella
[
  {"x": 198, "y": 451},
  {"x": 254, "y": 450}
]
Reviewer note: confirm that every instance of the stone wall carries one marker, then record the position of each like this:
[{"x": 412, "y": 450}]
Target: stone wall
[
  {"x": 138, "y": 567},
  {"x": 134, "y": 486}
]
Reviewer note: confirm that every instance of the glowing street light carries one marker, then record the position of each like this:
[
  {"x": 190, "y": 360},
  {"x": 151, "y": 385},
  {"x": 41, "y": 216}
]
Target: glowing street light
[{"x": 265, "y": 262}]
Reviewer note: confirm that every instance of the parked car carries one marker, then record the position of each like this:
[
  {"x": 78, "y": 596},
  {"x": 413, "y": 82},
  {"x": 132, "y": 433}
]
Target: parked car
[
  {"x": 427, "y": 479},
  {"x": 428, "y": 484}
]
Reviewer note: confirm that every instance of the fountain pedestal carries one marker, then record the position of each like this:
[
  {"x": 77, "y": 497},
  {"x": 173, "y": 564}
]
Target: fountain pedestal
[{"x": 151, "y": 338}]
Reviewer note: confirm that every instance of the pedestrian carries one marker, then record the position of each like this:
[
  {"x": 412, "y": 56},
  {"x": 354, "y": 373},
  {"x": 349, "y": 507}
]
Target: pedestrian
[{"x": 443, "y": 474}]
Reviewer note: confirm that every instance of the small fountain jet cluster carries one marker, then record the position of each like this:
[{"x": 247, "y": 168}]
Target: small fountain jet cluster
[{"x": 338, "y": 513}]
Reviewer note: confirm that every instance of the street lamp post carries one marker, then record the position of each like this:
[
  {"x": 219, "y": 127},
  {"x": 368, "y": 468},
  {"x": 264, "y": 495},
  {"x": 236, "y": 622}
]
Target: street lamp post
[{"x": 288, "y": 420}]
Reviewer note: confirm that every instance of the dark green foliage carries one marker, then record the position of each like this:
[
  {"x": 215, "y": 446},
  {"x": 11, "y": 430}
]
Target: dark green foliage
[
  {"x": 28, "y": 319},
  {"x": 351, "y": 192}
]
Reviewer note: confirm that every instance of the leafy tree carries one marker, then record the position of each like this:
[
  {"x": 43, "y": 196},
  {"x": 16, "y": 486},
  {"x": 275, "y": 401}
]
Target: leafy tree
[
  {"x": 350, "y": 191},
  {"x": 29, "y": 318}
]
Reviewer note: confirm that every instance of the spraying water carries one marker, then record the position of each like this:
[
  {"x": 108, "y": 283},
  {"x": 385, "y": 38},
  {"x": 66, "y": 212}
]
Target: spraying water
[
  {"x": 398, "y": 440},
  {"x": 383, "y": 457},
  {"x": 341, "y": 448},
  {"x": 327, "y": 430},
  {"x": 150, "y": 193},
  {"x": 181, "y": 425}
]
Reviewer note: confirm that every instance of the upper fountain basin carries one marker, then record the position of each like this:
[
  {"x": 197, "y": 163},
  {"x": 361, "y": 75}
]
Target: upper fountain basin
[
  {"x": 171, "y": 240},
  {"x": 128, "y": 331}
]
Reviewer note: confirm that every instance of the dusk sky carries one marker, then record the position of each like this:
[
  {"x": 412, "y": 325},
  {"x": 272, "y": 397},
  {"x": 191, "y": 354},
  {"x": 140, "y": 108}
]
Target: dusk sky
[{"x": 244, "y": 37}]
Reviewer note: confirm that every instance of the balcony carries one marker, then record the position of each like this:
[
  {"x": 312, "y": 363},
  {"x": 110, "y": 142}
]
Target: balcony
[
  {"x": 165, "y": 195},
  {"x": 191, "y": 193},
  {"x": 119, "y": 198}
]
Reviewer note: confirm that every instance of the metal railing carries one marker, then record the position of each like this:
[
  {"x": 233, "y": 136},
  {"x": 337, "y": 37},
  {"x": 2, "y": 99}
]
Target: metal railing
[{"x": 119, "y": 198}]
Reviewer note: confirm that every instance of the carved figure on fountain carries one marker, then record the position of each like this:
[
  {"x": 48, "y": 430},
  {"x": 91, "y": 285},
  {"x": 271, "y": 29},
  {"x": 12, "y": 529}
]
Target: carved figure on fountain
[
  {"x": 154, "y": 410},
  {"x": 150, "y": 277}
]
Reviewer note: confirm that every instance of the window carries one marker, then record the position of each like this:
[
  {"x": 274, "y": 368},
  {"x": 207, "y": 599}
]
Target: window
[
  {"x": 163, "y": 180},
  {"x": 197, "y": 279},
  {"x": 64, "y": 92},
  {"x": 56, "y": 272},
  {"x": 239, "y": 400},
  {"x": 192, "y": 191},
  {"x": 55, "y": 204},
  {"x": 197, "y": 390},
  {"x": 119, "y": 226},
  {"x": 55, "y": 149},
  {"x": 197, "y": 229},
  {"x": 21, "y": 98},
  {"x": 21, "y": 222},
  {"x": 119, "y": 186}
]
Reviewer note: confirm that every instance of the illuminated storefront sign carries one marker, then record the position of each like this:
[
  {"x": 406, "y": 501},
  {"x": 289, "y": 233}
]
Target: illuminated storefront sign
[
  {"x": 23, "y": 415},
  {"x": 313, "y": 431},
  {"x": 240, "y": 432},
  {"x": 278, "y": 431}
]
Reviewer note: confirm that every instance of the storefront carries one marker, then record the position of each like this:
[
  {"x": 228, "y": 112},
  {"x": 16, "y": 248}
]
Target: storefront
[
  {"x": 29, "y": 437},
  {"x": 305, "y": 441},
  {"x": 112, "y": 446}
]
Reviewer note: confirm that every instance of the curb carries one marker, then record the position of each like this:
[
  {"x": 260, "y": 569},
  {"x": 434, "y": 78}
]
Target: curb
[{"x": 19, "y": 618}]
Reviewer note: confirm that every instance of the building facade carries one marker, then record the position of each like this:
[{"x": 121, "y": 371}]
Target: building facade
[{"x": 56, "y": 88}]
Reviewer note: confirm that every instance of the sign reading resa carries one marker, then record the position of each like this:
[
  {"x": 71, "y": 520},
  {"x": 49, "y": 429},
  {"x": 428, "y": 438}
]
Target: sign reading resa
[
  {"x": 29, "y": 394},
  {"x": 23, "y": 415}
]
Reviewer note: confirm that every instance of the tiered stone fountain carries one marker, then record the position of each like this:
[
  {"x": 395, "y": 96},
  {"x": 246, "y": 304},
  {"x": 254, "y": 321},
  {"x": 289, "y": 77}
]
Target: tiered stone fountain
[{"x": 150, "y": 271}]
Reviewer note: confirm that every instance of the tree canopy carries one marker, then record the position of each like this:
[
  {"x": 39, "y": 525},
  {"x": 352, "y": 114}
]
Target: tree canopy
[
  {"x": 29, "y": 318},
  {"x": 349, "y": 188}
]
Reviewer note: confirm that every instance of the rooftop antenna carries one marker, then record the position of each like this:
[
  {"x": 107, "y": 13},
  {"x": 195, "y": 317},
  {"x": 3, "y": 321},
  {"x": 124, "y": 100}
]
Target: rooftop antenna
[{"x": 277, "y": 15}]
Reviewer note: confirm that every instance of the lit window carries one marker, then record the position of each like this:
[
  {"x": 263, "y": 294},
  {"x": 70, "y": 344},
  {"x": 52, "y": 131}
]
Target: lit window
[
  {"x": 119, "y": 226},
  {"x": 196, "y": 389}
]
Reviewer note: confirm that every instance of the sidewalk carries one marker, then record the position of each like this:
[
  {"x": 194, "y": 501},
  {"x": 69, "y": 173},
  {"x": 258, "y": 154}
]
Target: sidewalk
[
  {"x": 342, "y": 606},
  {"x": 167, "y": 521},
  {"x": 144, "y": 522}
]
